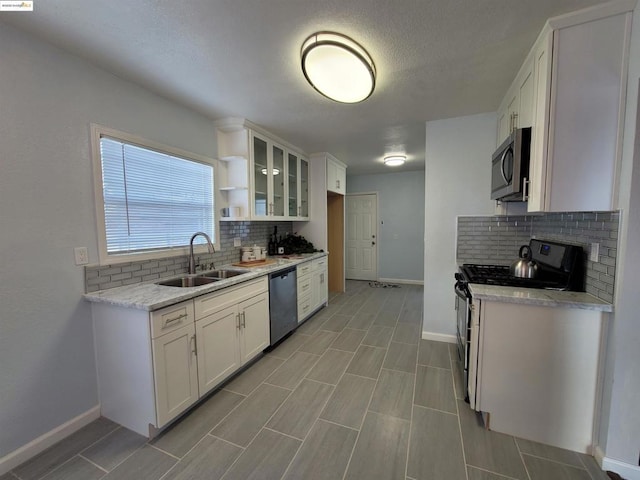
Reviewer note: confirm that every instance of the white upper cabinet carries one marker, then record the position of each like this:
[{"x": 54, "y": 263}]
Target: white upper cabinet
[
  {"x": 260, "y": 177},
  {"x": 336, "y": 176},
  {"x": 268, "y": 178},
  {"x": 297, "y": 186},
  {"x": 571, "y": 91},
  {"x": 516, "y": 109}
]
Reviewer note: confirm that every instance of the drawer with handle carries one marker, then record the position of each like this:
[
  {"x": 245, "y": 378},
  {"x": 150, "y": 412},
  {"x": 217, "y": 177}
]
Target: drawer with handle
[
  {"x": 304, "y": 285},
  {"x": 304, "y": 307},
  {"x": 304, "y": 268},
  {"x": 170, "y": 318}
]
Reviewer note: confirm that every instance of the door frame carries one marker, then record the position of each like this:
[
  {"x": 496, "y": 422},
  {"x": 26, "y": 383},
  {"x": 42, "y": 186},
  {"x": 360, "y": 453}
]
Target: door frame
[{"x": 377, "y": 229}]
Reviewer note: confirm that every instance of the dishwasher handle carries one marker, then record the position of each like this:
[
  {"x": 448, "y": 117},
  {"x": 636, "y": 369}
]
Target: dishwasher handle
[{"x": 282, "y": 274}]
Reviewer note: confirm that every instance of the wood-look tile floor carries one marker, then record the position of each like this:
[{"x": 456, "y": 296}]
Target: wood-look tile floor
[{"x": 354, "y": 393}]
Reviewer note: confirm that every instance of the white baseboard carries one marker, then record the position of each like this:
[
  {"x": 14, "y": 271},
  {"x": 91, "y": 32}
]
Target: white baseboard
[
  {"x": 438, "y": 337},
  {"x": 401, "y": 280},
  {"x": 34, "y": 447},
  {"x": 625, "y": 470}
]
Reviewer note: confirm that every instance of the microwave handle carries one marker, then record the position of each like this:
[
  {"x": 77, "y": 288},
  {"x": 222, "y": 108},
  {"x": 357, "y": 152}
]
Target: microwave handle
[
  {"x": 525, "y": 190},
  {"x": 504, "y": 155}
]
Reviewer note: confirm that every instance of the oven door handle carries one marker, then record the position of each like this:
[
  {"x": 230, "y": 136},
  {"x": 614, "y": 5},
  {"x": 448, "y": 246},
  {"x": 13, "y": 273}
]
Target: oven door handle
[{"x": 462, "y": 291}]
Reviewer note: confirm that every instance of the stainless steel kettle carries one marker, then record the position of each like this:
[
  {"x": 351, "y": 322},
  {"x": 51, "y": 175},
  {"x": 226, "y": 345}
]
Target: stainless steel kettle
[{"x": 525, "y": 266}]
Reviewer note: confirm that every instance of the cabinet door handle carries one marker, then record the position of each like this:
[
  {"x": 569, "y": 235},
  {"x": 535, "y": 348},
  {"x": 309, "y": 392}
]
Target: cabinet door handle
[
  {"x": 194, "y": 349},
  {"x": 244, "y": 320},
  {"x": 525, "y": 189},
  {"x": 299, "y": 211},
  {"x": 238, "y": 321},
  {"x": 169, "y": 321},
  {"x": 337, "y": 183}
]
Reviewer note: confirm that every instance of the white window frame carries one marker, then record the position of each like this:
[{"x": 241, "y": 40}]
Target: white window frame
[{"x": 105, "y": 258}]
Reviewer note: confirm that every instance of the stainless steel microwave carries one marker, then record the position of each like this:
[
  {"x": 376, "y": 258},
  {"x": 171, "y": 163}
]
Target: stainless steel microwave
[{"x": 510, "y": 167}]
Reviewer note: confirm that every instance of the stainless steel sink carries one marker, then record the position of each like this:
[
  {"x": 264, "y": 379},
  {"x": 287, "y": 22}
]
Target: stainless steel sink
[
  {"x": 220, "y": 274},
  {"x": 184, "y": 282}
]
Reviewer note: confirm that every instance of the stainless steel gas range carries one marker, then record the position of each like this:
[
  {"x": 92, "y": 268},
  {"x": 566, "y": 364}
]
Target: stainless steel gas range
[{"x": 560, "y": 267}]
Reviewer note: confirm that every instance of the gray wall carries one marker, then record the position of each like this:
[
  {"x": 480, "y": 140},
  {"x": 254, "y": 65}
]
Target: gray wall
[
  {"x": 47, "y": 373},
  {"x": 457, "y": 179},
  {"x": 401, "y": 209}
]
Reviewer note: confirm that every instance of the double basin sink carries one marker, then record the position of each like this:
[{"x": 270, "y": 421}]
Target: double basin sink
[{"x": 201, "y": 279}]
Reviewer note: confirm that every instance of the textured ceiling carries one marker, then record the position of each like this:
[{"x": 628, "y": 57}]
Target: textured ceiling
[{"x": 435, "y": 59}]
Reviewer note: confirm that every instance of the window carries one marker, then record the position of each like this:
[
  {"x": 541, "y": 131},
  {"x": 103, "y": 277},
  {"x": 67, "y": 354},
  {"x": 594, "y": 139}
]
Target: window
[{"x": 150, "y": 198}]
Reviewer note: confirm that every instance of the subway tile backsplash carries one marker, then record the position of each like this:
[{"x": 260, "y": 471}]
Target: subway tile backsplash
[
  {"x": 496, "y": 240},
  {"x": 250, "y": 233}
]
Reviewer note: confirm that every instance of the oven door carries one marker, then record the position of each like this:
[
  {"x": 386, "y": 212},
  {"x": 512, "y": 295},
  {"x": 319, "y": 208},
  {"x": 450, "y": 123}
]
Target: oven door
[{"x": 463, "y": 332}]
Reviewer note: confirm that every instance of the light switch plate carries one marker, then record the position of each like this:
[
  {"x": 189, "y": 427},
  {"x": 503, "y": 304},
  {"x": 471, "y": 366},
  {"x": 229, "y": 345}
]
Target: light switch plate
[
  {"x": 594, "y": 254},
  {"x": 81, "y": 255},
  {"x": 236, "y": 242}
]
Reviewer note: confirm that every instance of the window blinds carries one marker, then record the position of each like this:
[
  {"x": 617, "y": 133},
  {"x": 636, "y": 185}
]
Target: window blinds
[{"x": 153, "y": 200}]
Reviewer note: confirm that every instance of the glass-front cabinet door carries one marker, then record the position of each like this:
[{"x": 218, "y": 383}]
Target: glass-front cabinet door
[
  {"x": 280, "y": 181},
  {"x": 277, "y": 178},
  {"x": 292, "y": 176},
  {"x": 260, "y": 177},
  {"x": 304, "y": 189}
]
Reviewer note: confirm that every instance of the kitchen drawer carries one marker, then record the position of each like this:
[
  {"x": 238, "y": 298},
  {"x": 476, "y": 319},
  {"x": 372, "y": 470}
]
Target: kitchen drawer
[
  {"x": 305, "y": 307},
  {"x": 304, "y": 268},
  {"x": 171, "y": 318},
  {"x": 304, "y": 285},
  {"x": 320, "y": 263},
  {"x": 216, "y": 301}
]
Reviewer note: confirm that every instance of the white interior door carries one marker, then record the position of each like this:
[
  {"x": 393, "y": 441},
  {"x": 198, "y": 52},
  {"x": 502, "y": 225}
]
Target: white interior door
[{"x": 362, "y": 237}]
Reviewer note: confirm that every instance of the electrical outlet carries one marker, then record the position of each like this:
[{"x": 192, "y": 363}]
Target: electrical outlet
[
  {"x": 237, "y": 242},
  {"x": 594, "y": 254},
  {"x": 82, "y": 255}
]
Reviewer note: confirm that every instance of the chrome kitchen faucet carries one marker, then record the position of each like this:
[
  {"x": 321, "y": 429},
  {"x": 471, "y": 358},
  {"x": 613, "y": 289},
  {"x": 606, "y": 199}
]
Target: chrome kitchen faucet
[{"x": 192, "y": 262}]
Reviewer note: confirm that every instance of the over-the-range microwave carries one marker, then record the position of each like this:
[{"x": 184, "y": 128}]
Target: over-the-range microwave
[{"x": 510, "y": 167}]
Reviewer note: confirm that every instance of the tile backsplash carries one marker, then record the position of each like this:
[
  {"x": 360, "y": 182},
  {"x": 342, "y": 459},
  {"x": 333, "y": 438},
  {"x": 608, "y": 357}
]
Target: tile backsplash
[
  {"x": 250, "y": 233},
  {"x": 496, "y": 240}
]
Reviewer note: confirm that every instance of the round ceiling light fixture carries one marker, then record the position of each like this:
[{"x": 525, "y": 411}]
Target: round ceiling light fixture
[
  {"x": 394, "y": 160},
  {"x": 337, "y": 67}
]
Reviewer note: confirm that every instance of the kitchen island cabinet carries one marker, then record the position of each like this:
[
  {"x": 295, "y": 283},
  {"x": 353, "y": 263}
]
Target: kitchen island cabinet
[
  {"x": 538, "y": 371},
  {"x": 152, "y": 366}
]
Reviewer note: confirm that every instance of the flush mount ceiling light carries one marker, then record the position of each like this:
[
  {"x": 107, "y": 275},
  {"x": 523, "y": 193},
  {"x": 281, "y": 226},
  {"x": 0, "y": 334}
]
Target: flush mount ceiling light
[
  {"x": 394, "y": 160},
  {"x": 338, "y": 68}
]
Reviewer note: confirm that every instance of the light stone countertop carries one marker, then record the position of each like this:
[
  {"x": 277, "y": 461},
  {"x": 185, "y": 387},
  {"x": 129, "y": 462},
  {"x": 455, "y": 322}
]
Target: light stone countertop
[
  {"x": 533, "y": 296},
  {"x": 149, "y": 296}
]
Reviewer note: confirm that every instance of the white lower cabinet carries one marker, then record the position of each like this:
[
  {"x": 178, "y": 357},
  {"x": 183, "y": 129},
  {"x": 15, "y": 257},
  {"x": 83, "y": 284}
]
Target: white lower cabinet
[
  {"x": 538, "y": 371},
  {"x": 175, "y": 372},
  {"x": 152, "y": 366},
  {"x": 230, "y": 337},
  {"x": 319, "y": 282},
  {"x": 218, "y": 352},
  {"x": 254, "y": 329},
  {"x": 313, "y": 291}
]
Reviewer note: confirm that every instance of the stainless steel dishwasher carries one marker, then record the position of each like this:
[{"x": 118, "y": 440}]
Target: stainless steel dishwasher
[{"x": 283, "y": 303}]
